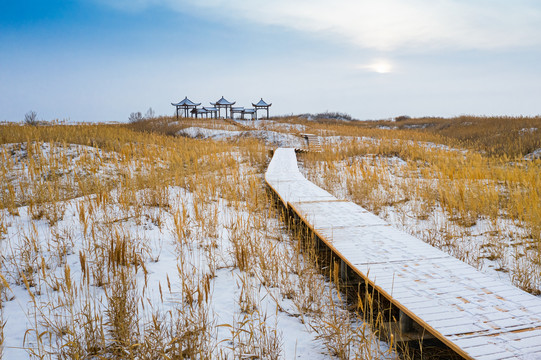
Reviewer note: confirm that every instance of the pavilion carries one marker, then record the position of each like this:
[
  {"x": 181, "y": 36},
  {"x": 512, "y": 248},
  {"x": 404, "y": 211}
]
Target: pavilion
[
  {"x": 186, "y": 105},
  {"x": 196, "y": 112},
  {"x": 250, "y": 112},
  {"x": 236, "y": 110},
  {"x": 212, "y": 111},
  {"x": 191, "y": 108},
  {"x": 243, "y": 112},
  {"x": 261, "y": 105},
  {"x": 223, "y": 103}
]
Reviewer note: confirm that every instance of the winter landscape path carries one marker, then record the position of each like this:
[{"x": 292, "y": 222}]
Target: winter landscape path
[{"x": 477, "y": 316}]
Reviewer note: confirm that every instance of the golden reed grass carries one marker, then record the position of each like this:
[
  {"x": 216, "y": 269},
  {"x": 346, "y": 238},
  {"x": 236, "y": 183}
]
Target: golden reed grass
[
  {"x": 122, "y": 179},
  {"x": 417, "y": 173}
]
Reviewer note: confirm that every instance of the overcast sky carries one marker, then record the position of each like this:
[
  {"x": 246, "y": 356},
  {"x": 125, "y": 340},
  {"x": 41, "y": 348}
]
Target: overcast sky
[{"x": 100, "y": 60}]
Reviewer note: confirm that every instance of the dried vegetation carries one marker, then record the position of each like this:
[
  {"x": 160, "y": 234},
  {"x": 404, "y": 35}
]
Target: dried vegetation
[
  {"x": 464, "y": 185},
  {"x": 90, "y": 212}
]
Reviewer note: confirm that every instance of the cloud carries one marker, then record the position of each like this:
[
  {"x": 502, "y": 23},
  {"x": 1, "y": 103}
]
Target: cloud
[{"x": 384, "y": 24}]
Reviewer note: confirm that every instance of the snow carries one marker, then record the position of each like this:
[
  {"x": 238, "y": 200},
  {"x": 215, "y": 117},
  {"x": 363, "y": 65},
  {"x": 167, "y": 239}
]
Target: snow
[
  {"x": 206, "y": 253},
  {"x": 272, "y": 138},
  {"x": 527, "y": 130},
  {"x": 421, "y": 279},
  {"x": 472, "y": 244},
  {"x": 533, "y": 155}
]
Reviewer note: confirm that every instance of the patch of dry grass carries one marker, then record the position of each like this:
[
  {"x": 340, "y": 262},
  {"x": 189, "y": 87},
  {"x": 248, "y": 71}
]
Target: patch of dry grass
[
  {"x": 418, "y": 181},
  {"x": 89, "y": 282}
]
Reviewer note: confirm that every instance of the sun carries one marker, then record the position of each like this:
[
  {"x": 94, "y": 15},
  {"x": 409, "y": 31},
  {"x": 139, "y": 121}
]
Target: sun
[{"x": 379, "y": 66}]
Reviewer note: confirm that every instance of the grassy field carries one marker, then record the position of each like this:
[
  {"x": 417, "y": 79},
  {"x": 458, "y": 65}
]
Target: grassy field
[
  {"x": 465, "y": 185},
  {"x": 127, "y": 241},
  {"x": 122, "y": 241}
]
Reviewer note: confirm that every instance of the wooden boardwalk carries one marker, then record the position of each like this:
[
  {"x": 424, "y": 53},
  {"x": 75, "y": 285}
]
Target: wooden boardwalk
[
  {"x": 313, "y": 142},
  {"x": 477, "y": 316}
]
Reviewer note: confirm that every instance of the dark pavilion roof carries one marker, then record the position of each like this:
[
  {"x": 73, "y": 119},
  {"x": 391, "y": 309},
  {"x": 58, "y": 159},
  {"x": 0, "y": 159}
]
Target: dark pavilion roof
[
  {"x": 262, "y": 103},
  {"x": 223, "y": 101},
  {"x": 186, "y": 102}
]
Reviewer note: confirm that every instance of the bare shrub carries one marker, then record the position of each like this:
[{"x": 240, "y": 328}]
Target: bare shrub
[
  {"x": 402, "y": 118},
  {"x": 31, "y": 118},
  {"x": 135, "y": 117},
  {"x": 150, "y": 114}
]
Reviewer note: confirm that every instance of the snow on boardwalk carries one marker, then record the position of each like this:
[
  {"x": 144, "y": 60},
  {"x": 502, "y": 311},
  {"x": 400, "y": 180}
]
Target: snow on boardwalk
[{"x": 477, "y": 316}]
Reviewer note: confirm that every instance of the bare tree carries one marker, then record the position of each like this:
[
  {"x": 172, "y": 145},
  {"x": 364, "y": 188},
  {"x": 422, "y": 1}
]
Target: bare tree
[
  {"x": 31, "y": 118},
  {"x": 150, "y": 114},
  {"x": 135, "y": 117}
]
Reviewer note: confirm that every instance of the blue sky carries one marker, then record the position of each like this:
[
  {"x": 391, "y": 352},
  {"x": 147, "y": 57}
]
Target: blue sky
[{"x": 98, "y": 60}]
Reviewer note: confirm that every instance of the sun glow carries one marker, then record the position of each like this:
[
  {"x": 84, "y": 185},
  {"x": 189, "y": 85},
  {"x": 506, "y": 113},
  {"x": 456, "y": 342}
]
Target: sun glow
[{"x": 380, "y": 67}]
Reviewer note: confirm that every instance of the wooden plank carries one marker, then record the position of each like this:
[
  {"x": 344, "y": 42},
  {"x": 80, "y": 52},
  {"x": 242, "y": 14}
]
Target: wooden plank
[
  {"x": 291, "y": 191},
  {"x": 487, "y": 350},
  {"x": 339, "y": 214},
  {"x": 474, "y": 314}
]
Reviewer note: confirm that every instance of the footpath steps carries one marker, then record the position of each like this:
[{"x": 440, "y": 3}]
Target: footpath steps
[
  {"x": 314, "y": 143},
  {"x": 477, "y": 316}
]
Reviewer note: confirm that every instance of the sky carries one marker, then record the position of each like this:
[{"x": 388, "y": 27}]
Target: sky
[{"x": 100, "y": 60}]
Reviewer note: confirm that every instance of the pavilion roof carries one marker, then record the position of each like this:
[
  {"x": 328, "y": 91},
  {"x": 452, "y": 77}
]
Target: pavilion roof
[
  {"x": 208, "y": 108},
  {"x": 223, "y": 101},
  {"x": 186, "y": 102},
  {"x": 241, "y": 108},
  {"x": 262, "y": 103}
]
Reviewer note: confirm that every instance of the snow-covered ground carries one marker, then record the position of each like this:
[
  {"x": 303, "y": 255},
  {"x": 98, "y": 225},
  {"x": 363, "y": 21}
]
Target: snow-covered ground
[
  {"x": 272, "y": 138},
  {"x": 496, "y": 247},
  {"x": 197, "y": 258},
  {"x": 162, "y": 261},
  {"x": 473, "y": 244},
  {"x": 194, "y": 271}
]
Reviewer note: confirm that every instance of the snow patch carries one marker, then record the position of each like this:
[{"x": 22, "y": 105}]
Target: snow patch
[
  {"x": 527, "y": 131},
  {"x": 533, "y": 155},
  {"x": 272, "y": 138}
]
